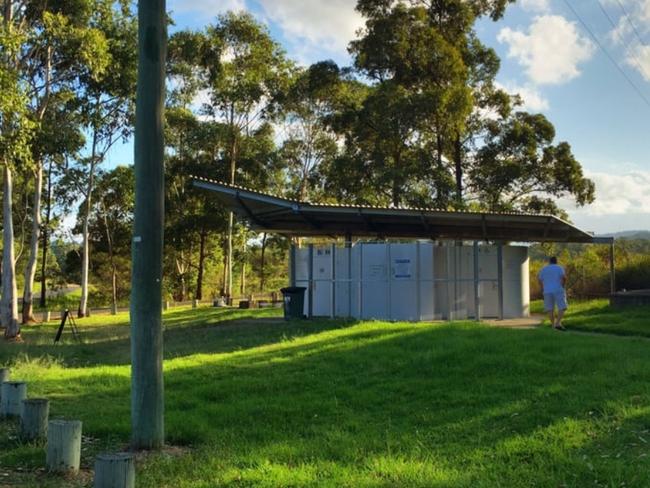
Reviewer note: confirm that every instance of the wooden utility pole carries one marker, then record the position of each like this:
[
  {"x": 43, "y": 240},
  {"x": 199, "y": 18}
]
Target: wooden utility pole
[{"x": 147, "y": 394}]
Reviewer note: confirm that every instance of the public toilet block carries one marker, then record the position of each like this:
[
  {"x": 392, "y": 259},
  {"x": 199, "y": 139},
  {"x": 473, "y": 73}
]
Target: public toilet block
[{"x": 404, "y": 263}]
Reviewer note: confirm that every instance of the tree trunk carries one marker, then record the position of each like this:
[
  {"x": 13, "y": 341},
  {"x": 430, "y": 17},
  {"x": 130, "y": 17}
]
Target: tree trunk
[
  {"x": 262, "y": 263},
  {"x": 233, "y": 166},
  {"x": 9, "y": 299},
  {"x": 458, "y": 160},
  {"x": 111, "y": 257},
  {"x": 224, "y": 277},
  {"x": 199, "y": 278},
  {"x": 30, "y": 269},
  {"x": 181, "y": 269},
  {"x": 46, "y": 229},
  {"x": 83, "y": 303},
  {"x": 242, "y": 283}
]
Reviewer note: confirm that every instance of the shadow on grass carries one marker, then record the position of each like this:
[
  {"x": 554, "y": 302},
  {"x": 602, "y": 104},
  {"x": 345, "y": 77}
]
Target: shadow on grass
[
  {"x": 187, "y": 332},
  {"x": 385, "y": 404}
]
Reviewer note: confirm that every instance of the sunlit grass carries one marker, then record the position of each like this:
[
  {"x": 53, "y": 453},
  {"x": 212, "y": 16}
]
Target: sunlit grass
[{"x": 253, "y": 400}]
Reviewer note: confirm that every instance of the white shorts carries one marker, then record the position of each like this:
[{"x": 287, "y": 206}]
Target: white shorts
[{"x": 555, "y": 299}]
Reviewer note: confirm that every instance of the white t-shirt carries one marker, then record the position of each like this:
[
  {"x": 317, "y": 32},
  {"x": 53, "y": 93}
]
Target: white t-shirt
[{"x": 551, "y": 277}]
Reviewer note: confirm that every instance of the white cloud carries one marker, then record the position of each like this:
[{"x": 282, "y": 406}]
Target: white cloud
[
  {"x": 535, "y": 5},
  {"x": 532, "y": 98},
  {"x": 618, "y": 194},
  {"x": 209, "y": 8},
  {"x": 315, "y": 28},
  {"x": 639, "y": 58},
  {"x": 551, "y": 51}
]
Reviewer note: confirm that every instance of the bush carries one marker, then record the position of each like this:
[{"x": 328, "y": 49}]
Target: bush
[{"x": 635, "y": 274}]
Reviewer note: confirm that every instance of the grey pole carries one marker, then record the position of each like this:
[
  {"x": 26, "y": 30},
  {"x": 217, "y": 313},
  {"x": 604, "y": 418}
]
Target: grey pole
[
  {"x": 310, "y": 290},
  {"x": 147, "y": 402},
  {"x": 292, "y": 264},
  {"x": 612, "y": 269},
  {"x": 348, "y": 246},
  {"x": 333, "y": 297},
  {"x": 477, "y": 303},
  {"x": 500, "y": 278}
]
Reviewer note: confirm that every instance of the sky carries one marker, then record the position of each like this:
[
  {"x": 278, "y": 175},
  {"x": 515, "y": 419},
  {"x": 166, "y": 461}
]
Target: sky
[{"x": 585, "y": 64}]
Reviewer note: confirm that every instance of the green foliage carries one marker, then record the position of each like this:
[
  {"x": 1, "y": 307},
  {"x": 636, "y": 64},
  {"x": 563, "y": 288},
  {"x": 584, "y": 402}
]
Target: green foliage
[
  {"x": 519, "y": 168},
  {"x": 587, "y": 266},
  {"x": 634, "y": 274}
]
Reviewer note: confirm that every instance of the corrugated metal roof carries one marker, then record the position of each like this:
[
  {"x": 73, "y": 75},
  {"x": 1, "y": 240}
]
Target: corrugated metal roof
[{"x": 271, "y": 213}]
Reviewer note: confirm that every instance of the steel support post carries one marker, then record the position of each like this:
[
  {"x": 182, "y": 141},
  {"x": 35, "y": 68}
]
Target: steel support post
[
  {"x": 310, "y": 290},
  {"x": 612, "y": 269},
  {"x": 500, "y": 278},
  {"x": 477, "y": 302}
]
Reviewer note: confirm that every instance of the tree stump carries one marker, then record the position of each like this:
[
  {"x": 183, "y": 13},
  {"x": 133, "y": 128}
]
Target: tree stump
[
  {"x": 115, "y": 470},
  {"x": 4, "y": 375},
  {"x": 63, "y": 445},
  {"x": 46, "y": 316},
  {"x": 33, "y": 418},
  {"x": 13, "y": 392}
]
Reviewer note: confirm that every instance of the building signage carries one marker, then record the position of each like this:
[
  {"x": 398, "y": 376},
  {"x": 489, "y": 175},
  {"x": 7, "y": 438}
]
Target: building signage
[{"x": 401, "y": 268}]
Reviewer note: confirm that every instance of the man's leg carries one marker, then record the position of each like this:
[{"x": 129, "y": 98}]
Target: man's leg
[
  {"x": 549, "y": 307},
  {"x": 561, "y": 306},
  {"x": 560, "y": 314}
]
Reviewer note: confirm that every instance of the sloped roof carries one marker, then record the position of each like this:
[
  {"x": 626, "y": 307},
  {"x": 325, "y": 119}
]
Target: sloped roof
[{"x": 269, "y": 213}]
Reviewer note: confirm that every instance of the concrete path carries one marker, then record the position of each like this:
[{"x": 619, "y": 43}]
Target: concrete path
[{"x": 532, "y": 322}]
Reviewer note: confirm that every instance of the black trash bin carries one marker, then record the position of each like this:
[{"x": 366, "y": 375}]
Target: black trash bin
[{"x": 294, "y": 302}]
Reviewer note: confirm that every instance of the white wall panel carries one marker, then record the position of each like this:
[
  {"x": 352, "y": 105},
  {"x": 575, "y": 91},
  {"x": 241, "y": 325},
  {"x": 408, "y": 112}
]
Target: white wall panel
[{"x": 413, "y": 281}]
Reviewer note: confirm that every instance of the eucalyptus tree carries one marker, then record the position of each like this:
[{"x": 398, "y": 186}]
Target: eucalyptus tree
[
  {"x": 61, "y": 47},
  {"x": 108, "y": 108},
  {"x": 58, "y": 140},
  {"x": 242, "y": 72},
  {"x": 15, "y": 135},
  {"x": 191, "y": 218},
  {"x": 110, "y": 225},
  {"x": 520, "y": 168},
  {"x": 414, "y": 54},
  {"x": 309, "y": 142}
]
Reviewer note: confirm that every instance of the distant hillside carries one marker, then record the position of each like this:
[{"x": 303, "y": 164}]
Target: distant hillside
[{"x": 630, "y": 234}]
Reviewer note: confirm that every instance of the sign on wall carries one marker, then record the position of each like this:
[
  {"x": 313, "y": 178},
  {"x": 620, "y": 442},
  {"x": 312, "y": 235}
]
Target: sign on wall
[{"x": 401, "y": 268}]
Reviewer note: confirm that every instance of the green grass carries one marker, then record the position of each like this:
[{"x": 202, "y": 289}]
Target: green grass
[
  {"x": 598, "y": 316},
  {"x": 255, "y": 401}
]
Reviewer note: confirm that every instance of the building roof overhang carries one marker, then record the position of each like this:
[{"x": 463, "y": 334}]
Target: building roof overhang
[{"x": 269, "y": 213}]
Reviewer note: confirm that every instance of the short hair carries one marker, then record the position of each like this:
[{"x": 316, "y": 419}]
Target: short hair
[{"x": 552, "y": 260}]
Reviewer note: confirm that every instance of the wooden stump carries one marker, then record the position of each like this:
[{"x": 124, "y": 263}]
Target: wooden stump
[
  {"x": 63, "y": 445},
  {"x": 4, "y": 375},
  {"x": 115, "y": 471},
  {"x": 33, "y": 418},
  {"x": 13, "y": 392}
]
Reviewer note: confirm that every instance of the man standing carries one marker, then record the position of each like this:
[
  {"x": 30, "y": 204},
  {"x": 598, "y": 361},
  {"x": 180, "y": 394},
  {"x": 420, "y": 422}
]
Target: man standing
[{"x": 552, "y": 279}]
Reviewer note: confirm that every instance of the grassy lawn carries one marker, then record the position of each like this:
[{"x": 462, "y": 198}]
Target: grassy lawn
[
  {"x": 255, "y": 401},
  {"x": 598, "y": 316}
]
